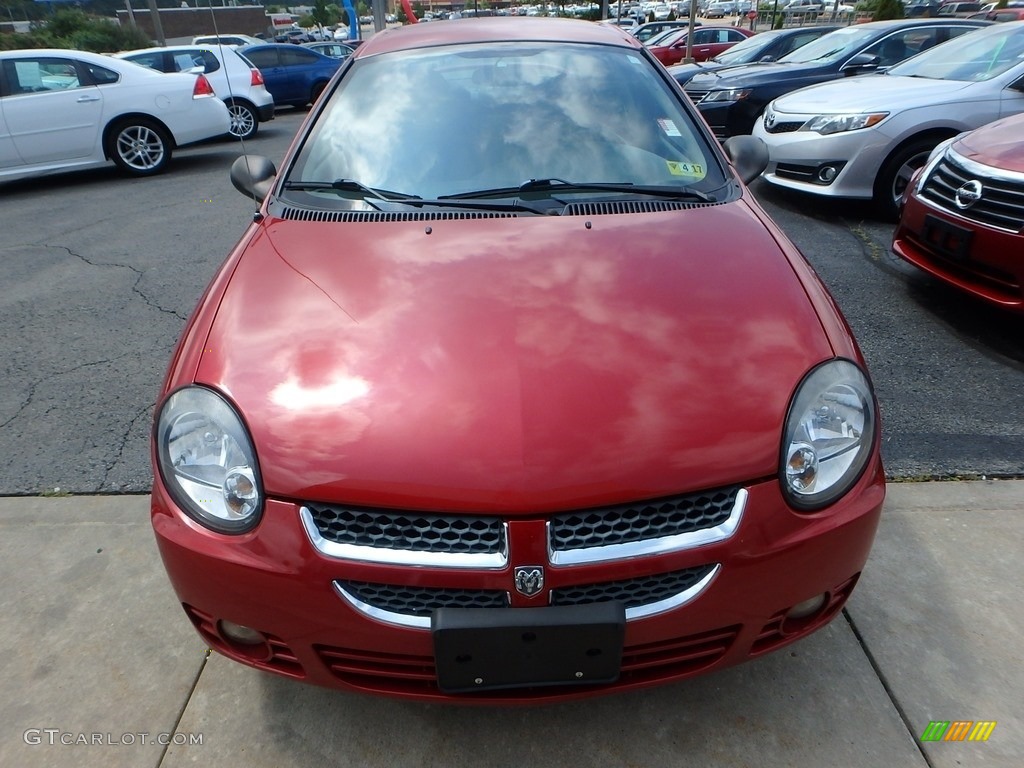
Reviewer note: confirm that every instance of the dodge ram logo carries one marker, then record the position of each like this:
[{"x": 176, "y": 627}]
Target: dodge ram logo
[{"x": 529, "y": 579}]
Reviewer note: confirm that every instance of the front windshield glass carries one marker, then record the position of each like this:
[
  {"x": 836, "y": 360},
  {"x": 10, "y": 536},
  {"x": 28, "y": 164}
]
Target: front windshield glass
[
  {"x": 451, "y": 120},
  {"x": 831, "y": 47},
  {"x": 973, "y": 57},
  {"x": 748, "y": 50}
]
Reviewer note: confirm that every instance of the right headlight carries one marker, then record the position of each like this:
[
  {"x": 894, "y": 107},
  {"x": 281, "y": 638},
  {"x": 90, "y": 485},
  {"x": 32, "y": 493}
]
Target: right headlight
[
  {"x": 207, "y": 461},
  {"x": 933, "y": 160},
  {"x": 829, "y": 435}
]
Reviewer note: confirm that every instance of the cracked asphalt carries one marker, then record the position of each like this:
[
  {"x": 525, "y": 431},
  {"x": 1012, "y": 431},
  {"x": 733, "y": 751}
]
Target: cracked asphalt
[{"x": 99, "y": 273}]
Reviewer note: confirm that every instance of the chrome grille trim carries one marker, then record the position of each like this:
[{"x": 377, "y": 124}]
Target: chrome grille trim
[
  {"x": 668, "y": 603},
  {"x": 1002, "y": 204},
  {"x": 407, "y": 557},
  {"x": 650, "y": 547}
]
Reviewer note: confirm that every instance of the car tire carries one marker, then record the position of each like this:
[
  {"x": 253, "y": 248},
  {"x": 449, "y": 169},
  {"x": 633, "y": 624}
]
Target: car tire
[
  {"x": 317, "y": 90},
  {"x": 244, "y": 120},
  {"x": 895, "y": 175},
  {"x": 139, "y": 147}
]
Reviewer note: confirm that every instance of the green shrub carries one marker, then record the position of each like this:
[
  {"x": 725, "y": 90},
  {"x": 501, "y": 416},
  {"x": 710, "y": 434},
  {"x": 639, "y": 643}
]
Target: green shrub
[{"x": 888, "y": 9}]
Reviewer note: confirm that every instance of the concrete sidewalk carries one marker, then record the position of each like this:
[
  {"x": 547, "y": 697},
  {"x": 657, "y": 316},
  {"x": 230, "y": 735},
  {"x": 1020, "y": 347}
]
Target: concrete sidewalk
[{"x": 98, "y": 653}]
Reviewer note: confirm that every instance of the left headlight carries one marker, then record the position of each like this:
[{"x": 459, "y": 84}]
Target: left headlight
[
  {"x": 207, "y": 461},
  {"x": 829, "y": 435},
  {"x": 727, "y": 94},
  {"x": 826, "y": 124}
]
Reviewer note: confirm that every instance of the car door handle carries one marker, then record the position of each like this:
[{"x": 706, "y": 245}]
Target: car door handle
[{"x": 88, "y": 97}]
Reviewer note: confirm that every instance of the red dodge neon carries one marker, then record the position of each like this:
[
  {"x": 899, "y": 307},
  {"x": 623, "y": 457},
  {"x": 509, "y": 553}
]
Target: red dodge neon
[{"x": 511, "y": 392}]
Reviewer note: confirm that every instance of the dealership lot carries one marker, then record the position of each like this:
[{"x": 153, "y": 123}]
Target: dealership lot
[{"x": 100, "y": 275}]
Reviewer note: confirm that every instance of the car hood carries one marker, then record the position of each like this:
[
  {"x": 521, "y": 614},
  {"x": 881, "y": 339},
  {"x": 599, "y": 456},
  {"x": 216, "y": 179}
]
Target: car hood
[
  {"x": 513, "y": 364},
  {"x": 997, "y": 144},
  {"x": 759, "y": 73},
  {"x": 871, "y": 93}
]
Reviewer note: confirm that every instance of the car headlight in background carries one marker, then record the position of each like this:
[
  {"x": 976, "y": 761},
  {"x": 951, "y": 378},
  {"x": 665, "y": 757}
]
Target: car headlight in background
[
  {"x": 207, "y": 461},
  {"x": 727, "y": 94},
  {"x": 829, "y": 434},
  {"x": 826, "y": 124}
]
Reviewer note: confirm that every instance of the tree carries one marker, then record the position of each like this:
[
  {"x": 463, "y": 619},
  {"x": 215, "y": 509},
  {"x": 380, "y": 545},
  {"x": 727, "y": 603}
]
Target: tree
[{"x": 888, "y": 9}]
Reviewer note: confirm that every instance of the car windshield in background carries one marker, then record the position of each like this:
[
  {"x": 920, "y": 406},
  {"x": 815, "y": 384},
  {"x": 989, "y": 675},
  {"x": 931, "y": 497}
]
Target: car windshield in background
[
  {"x": 830, "y": 47},
  {"x": 975, "y": 57},
  {"x": 459, "y": 120},
  {"x": 747, "y": 50}
]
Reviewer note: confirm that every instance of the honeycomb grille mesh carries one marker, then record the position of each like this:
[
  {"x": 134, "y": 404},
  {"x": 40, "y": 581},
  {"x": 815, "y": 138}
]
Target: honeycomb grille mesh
[
  {"x": 641, "y": 522},
  {"x": 420, "y": 601},
  {"x": 633, "y": 592},
  {"x": 410, "y": 531}
]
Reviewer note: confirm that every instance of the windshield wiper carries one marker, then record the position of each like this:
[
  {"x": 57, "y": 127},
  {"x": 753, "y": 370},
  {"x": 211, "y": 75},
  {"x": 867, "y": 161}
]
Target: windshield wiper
[
  {"x": 349, "y": 185},
  {"x": 561, "y": 185}
]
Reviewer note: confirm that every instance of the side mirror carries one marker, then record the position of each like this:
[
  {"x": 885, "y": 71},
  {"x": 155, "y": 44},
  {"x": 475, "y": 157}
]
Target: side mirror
[
  {"x": 748, "y": 155},
  {"x": 862, "y": 62},
  {"x": 253, "y": 176}
]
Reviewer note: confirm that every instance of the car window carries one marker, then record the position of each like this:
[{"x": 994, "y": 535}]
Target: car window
[
  {"x": 798, "y": 41},
  {"x": 263, "y": 58},
  {"x": 153, "y": 60},
  {"x": 976, "y": 57},
  {"x": 298, "y": 58},
  {"x": 732, "y": 36},
  {"x": 41, "y": 74},
  {"x": 495, "y": 116},
  {"x": 101, "y": 75},
  {"x": 831, "y": 47},
  {"x": 898, "y": 46}
]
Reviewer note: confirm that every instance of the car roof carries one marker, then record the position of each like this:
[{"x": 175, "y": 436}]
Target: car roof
[{"x": 496, "y": 29}]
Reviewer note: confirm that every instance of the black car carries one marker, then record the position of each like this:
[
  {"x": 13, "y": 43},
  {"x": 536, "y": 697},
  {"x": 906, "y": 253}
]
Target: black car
[
  {"x": 732, "y": 99},
  {"x": 766, "y": 46}
]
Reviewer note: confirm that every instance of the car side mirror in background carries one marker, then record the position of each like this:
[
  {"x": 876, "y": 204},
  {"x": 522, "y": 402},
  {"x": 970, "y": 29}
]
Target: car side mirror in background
[
  {"x": 862, "y": 62},
  {"x": 253, "y": 176},
  {"x": 748, "y": 154}
]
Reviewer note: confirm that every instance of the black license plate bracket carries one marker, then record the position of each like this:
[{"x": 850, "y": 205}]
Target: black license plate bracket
[
  {"x": 478, "y": 649},
  {"x": 948, "y": 239}
]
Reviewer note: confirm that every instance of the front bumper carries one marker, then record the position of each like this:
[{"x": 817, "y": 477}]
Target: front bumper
[
  {"x": 796, "y": 158},
  {"x": 273, "y": 579}
]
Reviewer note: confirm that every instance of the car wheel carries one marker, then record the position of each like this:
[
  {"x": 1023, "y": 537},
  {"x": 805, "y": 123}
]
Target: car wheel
[
  {"x": 244, "y": 121},
  {"x": 139, "y": 147},
  {"x": 317, "y": 90},
  {"x": 896, "y": 173}
]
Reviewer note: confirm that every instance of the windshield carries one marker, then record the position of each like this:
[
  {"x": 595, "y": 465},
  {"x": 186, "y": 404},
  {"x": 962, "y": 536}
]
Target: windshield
[
  {"x": 452, "y": 120},
  {"x": 973, "y": 57},
  {"x": 748, "y": 50},
  {"x": 831, "y": 47}
]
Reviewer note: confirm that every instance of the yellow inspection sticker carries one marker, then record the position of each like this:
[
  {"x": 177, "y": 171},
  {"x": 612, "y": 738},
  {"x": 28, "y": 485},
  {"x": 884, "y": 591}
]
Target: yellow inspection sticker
[{"x": 685, "y": 168}]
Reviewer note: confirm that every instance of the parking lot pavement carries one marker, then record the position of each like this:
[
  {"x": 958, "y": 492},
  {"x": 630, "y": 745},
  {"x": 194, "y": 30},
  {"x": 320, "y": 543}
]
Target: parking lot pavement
[{"x": 98, "y": 655}]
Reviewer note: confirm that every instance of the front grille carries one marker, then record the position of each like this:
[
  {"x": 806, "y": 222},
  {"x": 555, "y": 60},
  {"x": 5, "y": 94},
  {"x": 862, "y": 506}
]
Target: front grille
[
  {"x": 410, "y": 531},
  {"x": 421, "y": 601},
  {"x": 1002, "y": 200},
  {"x": 392, "y": 673},
  {"x": 642, "y": 521},
  {"x": 635, "y": 593},
  {"x": 696, "y": 96},
  {"x": 786, "y": 126}
]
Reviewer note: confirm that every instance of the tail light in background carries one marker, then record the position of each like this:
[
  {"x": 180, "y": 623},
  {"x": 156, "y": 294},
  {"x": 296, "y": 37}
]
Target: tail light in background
[{"x": 256, "y": 77}]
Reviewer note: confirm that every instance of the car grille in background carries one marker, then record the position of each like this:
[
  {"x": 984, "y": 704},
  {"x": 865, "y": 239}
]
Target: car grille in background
[
  {"x": 696, "y": 96},
  {"x": 784, "y": 127},
  {"x": 1002, "y": 200},
  {"x": 641, "y": 521},
  {"x": 412, "y": 531}
]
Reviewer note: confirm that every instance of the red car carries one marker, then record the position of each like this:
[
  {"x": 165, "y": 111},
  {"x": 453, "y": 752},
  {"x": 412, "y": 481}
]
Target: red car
[
  {"x": 963, "y": 214},
  {"x": 464, "y": 417},
  {"x": 708, "y": 42}
]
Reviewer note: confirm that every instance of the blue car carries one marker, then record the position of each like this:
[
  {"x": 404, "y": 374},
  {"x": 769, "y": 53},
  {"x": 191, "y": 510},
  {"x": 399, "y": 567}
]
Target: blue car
[{"x": 293, "y": 74}]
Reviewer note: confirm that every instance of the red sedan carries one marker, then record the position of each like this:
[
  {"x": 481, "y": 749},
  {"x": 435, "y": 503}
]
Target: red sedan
[
  {"x": 708, "y": 42},
  {"x": 963, "y": 214},
  {"x": 531, "y": 402}
]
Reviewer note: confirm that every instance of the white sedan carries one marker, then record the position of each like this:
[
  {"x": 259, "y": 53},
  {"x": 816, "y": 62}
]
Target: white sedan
[
  {"x": 863, "y": 137},
  {"x": 64, "y": 110}
]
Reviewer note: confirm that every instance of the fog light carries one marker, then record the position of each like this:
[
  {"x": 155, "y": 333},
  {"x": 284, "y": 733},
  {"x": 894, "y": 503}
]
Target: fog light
[
  {"x": 807, "y": 607},
  {"x": 236, "y": 633},
  {"x": 827, "y": 174}
]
